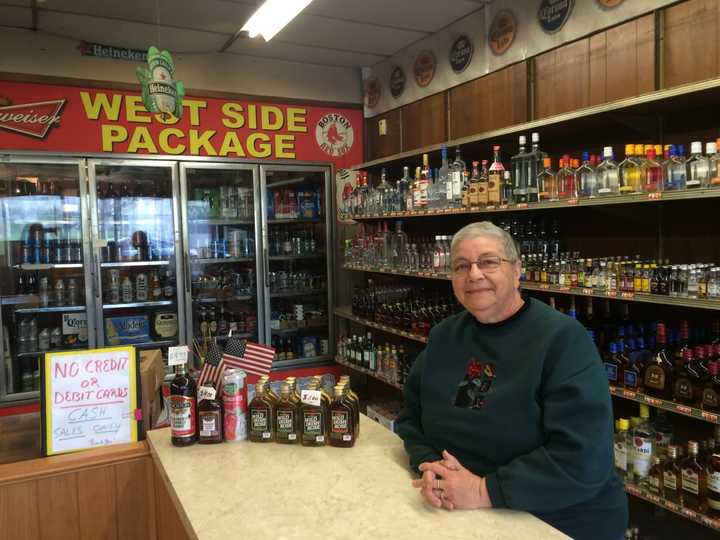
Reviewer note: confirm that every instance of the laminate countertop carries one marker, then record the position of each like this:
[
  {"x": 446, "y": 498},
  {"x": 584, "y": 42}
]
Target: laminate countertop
[{"x": 287, "y": 492}]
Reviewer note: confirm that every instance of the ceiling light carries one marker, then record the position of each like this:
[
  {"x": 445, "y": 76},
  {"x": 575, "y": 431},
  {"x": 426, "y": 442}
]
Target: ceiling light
[{"x": 272, "y": 17}]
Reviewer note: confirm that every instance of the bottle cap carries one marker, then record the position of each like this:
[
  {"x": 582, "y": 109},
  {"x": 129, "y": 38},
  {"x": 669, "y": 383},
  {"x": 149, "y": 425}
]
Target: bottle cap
[
  {"x": 639, "y": 150},
  {"x": 696, "y": 147},
  {"x": 687, "y": 355},
  {"x": 547, "y": 162},
  {"x": 259, "y": 387},
  {"x": 475, "y": 163},
  {"x": 629, "y": 149},
  {"x": 535, "y": 137},
  {"x": 586, "y": 156},
  {"x": 658, "y": 150},
  {"x": 496, "y": 148},
  {"x": 693, "y": 447},
  {"x": 672, "y": 451},
  {"x": 522, "y": 140},
  {"x": 608, "y": 152},
  {"x": 651, "y": 153},
  {"x": 713, "y": 368},
  {"x": 710, "y": 148},
  {"x": 339, "y": 390},
  {"x": 623, "y": 424},
  {"x": 613, "y": 347}
]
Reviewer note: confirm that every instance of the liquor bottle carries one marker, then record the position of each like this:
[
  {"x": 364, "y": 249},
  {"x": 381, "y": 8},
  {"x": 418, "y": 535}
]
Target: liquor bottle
[
  {"x": 472, "y": 196},
  {"x": 655, "y": 483},
  {"x": 608, "y": 181},
  {"x": 684, "y": 389},
  {"x": 675, "y": 171},
  {"x": 498, "y": 179},
  {"x": 698, "y": 167},
  {"x": 711, "y": 389},
  {"x": 314, "y": 418},
  {"x": 483, "y": 193},
  {"x": 445, "y": 177},
  {"x": 658, "y": 372},
  {"x": 354, "y": 399},
  {"x": 519, "y": 174},
  {"x": 714, "y": 174},
  {"x": 383, "y": 194},
  {"x": 423, "y": 184},
  {"x": 664, "y": 433},
  {"x": 546, "y": 182},
  {"x": 458, "y": 171},
  {"x": 342, "y": 420},
  {"x": 621, "y": 447},
  {"x": 713, "y": 482},
  {"x": 169, "y": 285},
  {"x": 261, "y": 410},
  {"x": 286, "y": 417},
  {"x": 567, "y": 189},
  {"x": 629, "y": 170},
  {"x": 126, "y": 290},
  {"x": 183, "y": 414},
  {"x": 693, "y": 479},
  {"x": 210, "y": 416},
  {"x": 643, "y": 440},
  {"x": 672, "y": 476},
  {"x": 614, "y": 367},
  {"x": 651, "y": 173},
  {"x": 534, "y": 164},
  {"x": 586, "y": 178}
]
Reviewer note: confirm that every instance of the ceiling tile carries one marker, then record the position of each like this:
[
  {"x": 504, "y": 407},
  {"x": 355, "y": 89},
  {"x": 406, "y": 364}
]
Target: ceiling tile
[
  {"x": 129, "y": 34},
  {"x": 423, "y": 15},
  {"x": 19, "y": 17},
  {"x": 343, "y": 35},
  {"x": 299, "y": 53}
]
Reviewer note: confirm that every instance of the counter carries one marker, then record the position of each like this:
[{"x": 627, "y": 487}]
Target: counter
[{"x": 274, "y": 491}]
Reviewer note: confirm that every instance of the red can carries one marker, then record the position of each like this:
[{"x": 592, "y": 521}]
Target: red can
[{"x": 234, "y": 400}]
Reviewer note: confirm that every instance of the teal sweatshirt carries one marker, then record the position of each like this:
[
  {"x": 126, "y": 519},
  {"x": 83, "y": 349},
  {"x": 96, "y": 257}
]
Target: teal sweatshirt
[{"x": 524, "y": 403}]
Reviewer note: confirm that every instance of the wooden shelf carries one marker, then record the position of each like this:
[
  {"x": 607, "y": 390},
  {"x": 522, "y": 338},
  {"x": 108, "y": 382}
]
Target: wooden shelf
[
  {"x": 685, "y": 194},
  {"x": 346, "y": 313},
  {"x": 666, "y": 405},
  {"x": 697, "y": 517},
  {"x": 699, "y": 303},
  {"x": 370, "y": 373}
]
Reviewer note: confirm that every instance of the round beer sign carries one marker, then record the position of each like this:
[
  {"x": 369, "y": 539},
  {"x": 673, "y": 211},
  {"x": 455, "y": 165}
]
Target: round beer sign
[
  {"x": 553, "y": 14},
  {"x": 502, "y": 31},
  {"x": 424, "y": 69},
  {"x": 461, "y": 53},
  {"x": 397, "y": 82}
]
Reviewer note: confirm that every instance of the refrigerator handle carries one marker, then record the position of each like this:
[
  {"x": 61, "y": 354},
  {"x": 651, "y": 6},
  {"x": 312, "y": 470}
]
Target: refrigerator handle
[
  {"x": 186, "y": 264},
  {"x": 266, "y": 264},
  {"x": 98, "y": 290}
]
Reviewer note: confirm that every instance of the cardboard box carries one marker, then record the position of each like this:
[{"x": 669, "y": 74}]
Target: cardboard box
[
  {"x": 384, "y": 413},
  {"x": 152, "y": 373}
]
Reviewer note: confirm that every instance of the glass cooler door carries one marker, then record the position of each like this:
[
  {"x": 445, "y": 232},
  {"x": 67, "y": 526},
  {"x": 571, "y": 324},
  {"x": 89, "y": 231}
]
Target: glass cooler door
[
  {"x": 298, "y": 267},
  {"x": 44, "y": 285},
  {"x": 221, "y": 220},
  {"x": 136, "y": 231}
]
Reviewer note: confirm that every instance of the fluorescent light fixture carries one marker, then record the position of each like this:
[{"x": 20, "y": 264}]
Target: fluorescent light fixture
[{"x": 272, "y": 17}]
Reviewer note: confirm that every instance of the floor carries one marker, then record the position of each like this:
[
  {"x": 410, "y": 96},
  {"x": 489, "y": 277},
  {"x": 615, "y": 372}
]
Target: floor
[{"x": 19, "y": 437}]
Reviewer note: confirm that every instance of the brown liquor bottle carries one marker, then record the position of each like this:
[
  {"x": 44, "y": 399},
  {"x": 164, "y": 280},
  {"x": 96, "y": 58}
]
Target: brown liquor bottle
[
  {"x": 261, "y": 416},
  {"x": 693, "y": 479},
  {"x": 183, "y": 413},
  {"x": 354, "y": 401},
  {"x": 313, "y": 414},
  {"x": 711, "y": 391},
  {"x": 684, "y": 384},
  {"x": 342, "y": 420},
  {"x": 713, "y": 479},
  {"x": 210, "y": 416},
  {"x": 286, "y": 417},
  {"x": 672, "y": 476},
  {"x": 658, "y": 372},
  {"x": 655, "y": 477}
]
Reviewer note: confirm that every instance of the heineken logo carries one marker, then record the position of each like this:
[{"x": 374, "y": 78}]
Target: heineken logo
[{"x": 32, "y": 119}]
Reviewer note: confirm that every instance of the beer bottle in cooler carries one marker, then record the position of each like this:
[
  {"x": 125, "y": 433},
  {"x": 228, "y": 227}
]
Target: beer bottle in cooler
[{"x": 183, "y": 413}]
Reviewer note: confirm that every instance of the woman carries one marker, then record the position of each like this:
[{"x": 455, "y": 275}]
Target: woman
[{"x": 508, "y": 405}]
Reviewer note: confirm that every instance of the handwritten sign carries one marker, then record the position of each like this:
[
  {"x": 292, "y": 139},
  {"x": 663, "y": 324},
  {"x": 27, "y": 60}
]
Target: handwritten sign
[{"x": 89, "y": 399}]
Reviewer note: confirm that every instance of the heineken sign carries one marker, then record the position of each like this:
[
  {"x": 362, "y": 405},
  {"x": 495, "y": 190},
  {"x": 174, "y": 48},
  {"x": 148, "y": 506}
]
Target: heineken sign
[{"x": 99, "y": 50}]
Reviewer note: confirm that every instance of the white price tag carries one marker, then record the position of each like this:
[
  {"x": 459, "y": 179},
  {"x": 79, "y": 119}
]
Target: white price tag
[
  {"x": 310, "y": 397},
  {"x": 178, "y": 355},
  {"x": 206, "y": 392}
]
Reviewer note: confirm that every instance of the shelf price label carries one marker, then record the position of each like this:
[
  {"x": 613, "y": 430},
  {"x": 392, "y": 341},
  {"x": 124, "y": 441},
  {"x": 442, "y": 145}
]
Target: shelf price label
[
  {"x": 503, "y": 207},
  {"x": 587, "y": 291},
  {"x": 521, "y": 205},
  {"x": 655, "y": 196},
  {"x": 683, "y": 409},
  {"x": 178, "y": 355},
  {"x": 572, "y": 201},
  {"x": 627, "y": 295},
  {"x": 710, "y": 417}
]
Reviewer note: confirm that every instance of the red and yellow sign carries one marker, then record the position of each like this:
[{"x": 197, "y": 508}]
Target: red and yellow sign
[{"x": 88, "y": 120}]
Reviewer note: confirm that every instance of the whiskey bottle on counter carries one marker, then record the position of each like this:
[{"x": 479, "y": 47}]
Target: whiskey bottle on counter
[
  {"x": 261, "y": 416},
  {"x": 354, "y": 400},
  {"x": 342, "y": 420},
  {"x": 314, "y": 418},
  {"x": 286, "y": 417},
  {"x": 210, "y": 416},
  {"x": 183, "y": 414},
  {"x": 693, "y": 479}
]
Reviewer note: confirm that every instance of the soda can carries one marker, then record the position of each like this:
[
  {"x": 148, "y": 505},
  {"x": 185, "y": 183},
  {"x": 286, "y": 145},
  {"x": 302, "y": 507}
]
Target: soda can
[{"x": 234, "y": 400}]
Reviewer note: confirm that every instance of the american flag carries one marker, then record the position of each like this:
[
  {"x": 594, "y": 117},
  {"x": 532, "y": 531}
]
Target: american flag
[
  {"x": 248, "y": 356},
  {"x": 213, "y": 368}
]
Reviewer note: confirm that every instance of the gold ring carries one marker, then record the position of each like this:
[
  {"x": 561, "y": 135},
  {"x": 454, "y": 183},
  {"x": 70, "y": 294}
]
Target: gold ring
[{"x": 437, "y": 483}]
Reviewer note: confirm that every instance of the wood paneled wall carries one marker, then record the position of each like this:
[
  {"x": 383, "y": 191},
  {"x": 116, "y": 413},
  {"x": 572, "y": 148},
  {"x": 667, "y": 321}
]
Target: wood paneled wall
[
  {"x": 496, "y": 100},
  {"x": 424, "y": 122},
  {"x": 691, "y": 42},
  {"x": 377, "y": 145},
  {"x": 110, "y": 494}
]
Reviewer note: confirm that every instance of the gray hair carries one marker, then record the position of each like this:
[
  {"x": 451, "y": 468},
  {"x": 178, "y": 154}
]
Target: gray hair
[{"x": 489, "y": 230}]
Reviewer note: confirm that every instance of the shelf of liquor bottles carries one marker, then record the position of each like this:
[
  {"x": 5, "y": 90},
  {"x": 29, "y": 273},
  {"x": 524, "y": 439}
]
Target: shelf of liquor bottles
[
  {"x": 374, "y": 374},
  {"x": 346, "y": 313},
  {"x": 692, "y": 515},
  {"x": 654, "y": 197},
  {"x": 700, "y": 303},
  {"x": 666, "y": 405}
]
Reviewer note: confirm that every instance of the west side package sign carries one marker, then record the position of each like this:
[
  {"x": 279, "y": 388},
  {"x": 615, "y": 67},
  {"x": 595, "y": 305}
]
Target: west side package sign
[{"x": 90, "y": 120}]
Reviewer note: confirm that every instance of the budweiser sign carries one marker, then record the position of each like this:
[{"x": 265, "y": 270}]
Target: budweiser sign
[{"x": 33, "y": 119}]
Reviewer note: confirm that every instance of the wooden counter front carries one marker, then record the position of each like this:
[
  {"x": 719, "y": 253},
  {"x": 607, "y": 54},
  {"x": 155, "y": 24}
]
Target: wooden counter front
[{"x": 271, "y": 491}]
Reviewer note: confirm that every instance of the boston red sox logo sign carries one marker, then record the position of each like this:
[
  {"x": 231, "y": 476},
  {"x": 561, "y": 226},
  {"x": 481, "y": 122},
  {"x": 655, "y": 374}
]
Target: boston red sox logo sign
[{"x": 334, "y": 134}]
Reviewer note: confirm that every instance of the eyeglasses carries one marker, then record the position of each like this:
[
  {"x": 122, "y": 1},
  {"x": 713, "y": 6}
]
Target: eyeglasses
[{"x": 487, "y": 265}]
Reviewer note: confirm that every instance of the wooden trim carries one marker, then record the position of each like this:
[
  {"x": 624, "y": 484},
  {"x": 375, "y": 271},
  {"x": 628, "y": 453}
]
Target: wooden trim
[
  {"x": 190, "y": 92},
  {"x": 161, "y": 474},
  {"x": 23, "y": 471}
]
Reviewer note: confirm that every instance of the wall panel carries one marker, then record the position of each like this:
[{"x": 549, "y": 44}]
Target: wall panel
[
  {"x": 424, "y": 122},
  {"x": 377, "y": 145}
]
